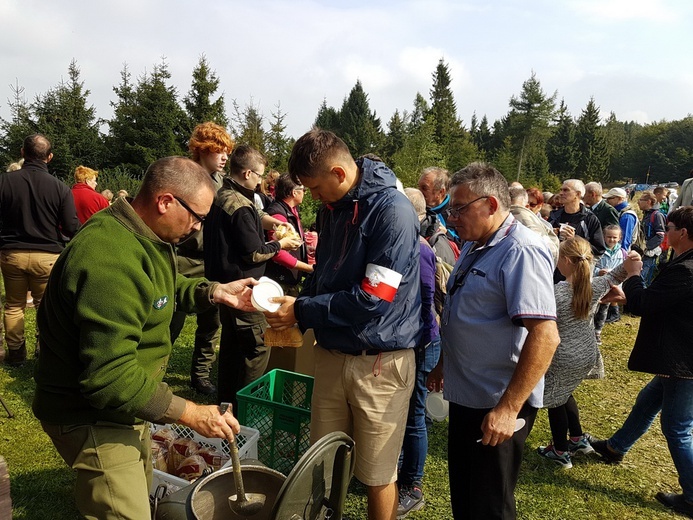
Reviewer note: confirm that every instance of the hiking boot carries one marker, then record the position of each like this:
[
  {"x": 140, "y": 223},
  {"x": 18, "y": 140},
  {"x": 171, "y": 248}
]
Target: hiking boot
[
  {"x": 562, "y": 458},
  {"x": 16, "y": 357},
  {"x": 203, "y": 386},
  {"x": 410, "y": 499},
  {"x": 606, "y": 454},
  {"x": 582, "y": 445},
  {"x": 676, "y": 502}
]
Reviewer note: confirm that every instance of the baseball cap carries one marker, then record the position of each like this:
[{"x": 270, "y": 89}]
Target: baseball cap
[{"x": 615, "y": 192}]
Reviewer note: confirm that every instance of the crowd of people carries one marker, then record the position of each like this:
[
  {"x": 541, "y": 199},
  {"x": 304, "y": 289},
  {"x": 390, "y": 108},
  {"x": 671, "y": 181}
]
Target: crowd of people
[{"x": 494, "y": 294}]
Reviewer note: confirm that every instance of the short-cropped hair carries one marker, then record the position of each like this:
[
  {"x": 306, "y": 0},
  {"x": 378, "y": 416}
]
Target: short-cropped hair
[
  {"x": 577, "y": 185},
  {"x": 181, "y": 176},
  {"x": 441, "y": 177},
  {"x": 285, "y": 186},
  {"x": 682, "y": 218},
  {"x": 245, "y": 157},
  {"x": 36, "y": 147},
  {"x": 417, "y": 199},
  {"x": 483, "y": 180},
  {"x": 311, "y": 153},
  {"x": 518, "y": 196}
]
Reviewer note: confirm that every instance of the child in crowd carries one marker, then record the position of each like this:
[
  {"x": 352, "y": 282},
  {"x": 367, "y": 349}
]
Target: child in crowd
[
  {"x": 612, "y": 258},
  {"x": 577, "y": 299}
]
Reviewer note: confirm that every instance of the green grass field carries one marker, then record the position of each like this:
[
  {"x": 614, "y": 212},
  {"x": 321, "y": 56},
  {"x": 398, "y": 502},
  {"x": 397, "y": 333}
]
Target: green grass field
[{"x": 41, "y": 483}]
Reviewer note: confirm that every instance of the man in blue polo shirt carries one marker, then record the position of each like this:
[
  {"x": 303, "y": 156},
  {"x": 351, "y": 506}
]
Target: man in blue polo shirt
[{"x": 499, "y": 335}]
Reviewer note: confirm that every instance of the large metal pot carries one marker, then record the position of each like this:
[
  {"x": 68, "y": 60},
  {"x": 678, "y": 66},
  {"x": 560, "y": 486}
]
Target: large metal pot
[{"x": 207, "y": 499}]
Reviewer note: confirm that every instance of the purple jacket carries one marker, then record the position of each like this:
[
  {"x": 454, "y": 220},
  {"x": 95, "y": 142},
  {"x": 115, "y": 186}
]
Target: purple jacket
[{"x": 427, "y": 274}]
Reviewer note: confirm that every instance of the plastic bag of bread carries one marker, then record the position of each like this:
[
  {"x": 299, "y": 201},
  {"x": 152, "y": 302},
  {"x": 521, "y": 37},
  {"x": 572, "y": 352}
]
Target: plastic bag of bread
[
  {"x": 214, "y": 458},
  {"x": 285, "y": 230},
  {"x": 180, "y": 450},
  {"x": 159, "y": 455},
  {"x": 165, "y": 435},
  {"x": 291, "y": 337},
  {"x": 191, "y": 468}
]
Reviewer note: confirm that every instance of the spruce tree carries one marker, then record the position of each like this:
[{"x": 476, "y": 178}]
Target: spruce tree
[
  {"x": 199, "y": 106},
  {"x": 593, "y": 158},
  {"x": 14, "y": 130},
  {"x": 359, "y": 127},
  {"x": 248, "y": 126},
  {"x": 327, "y": 118},
  {"x": 122, "y": 135},
  {"x": 64, "y": 116},
  {"x": 278, "y": 143},
  {"x": 561, "y": 146},
  {"x": 530, "y": 117}
]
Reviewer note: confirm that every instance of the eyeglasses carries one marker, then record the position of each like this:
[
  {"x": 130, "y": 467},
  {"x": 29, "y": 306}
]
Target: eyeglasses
[
  {"x": 199, "y": 217},
  {"x": 456, "y": 212},
  {"x": 258, "y": 175}
]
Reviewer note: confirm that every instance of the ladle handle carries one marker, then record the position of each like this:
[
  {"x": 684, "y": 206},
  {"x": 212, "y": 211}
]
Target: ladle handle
[{"x": 235, "y": 460}]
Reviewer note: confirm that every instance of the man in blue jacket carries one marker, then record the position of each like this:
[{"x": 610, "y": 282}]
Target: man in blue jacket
[{"x": 363, "y": 301}]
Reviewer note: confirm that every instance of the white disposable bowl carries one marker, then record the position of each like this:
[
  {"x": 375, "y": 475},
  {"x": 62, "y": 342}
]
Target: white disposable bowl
[
  {"x": 263, "y": 291},
  {"x": 437, "y": 408}
]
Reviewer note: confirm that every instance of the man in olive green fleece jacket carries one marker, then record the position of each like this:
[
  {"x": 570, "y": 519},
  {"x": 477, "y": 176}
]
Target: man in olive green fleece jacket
[{"x": 105, "y": 339}]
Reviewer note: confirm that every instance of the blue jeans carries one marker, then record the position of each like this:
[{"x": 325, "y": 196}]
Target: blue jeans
[
  {"x": 649, "y": 263},
  {"x": 415, "y": 445},
  {"x": 674, "y": 397}
]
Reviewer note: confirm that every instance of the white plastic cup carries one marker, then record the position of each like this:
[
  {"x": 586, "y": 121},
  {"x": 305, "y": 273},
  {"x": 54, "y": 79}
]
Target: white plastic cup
[
  {"x": 263, "y": 291},
  {"x": 437, "y": 407}
]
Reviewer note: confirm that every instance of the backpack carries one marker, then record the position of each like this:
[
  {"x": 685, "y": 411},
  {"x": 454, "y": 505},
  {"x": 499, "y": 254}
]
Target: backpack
[
  {"x": 444, "y": 248},
  {"x": 446, "y": 252},
  {"x": 637, "y": 240},
  {"x": 443, "y": 272}
]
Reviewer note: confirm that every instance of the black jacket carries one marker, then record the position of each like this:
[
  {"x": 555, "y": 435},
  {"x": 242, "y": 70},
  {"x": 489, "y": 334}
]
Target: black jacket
[
  {"x": 663, "y": 345},
  {"x": 234, "y": 241},
  {"x": 277, "y": 272},
  {"x": 37, "y": 210}
]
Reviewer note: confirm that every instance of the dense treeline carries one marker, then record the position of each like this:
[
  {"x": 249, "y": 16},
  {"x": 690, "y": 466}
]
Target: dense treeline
[{"x": 538, "y": 142}]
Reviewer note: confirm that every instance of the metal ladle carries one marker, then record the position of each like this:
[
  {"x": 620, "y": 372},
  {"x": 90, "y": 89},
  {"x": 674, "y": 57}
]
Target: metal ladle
[{"x": 241, "y": 503}]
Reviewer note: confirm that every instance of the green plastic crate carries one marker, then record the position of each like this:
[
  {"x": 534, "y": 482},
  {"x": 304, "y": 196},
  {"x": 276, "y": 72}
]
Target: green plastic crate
[{"x": 278, "y": 406}]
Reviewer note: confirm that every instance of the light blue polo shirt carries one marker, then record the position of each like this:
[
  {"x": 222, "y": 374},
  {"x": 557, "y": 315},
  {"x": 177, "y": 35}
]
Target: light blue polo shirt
[{"x": 508, "y": 279}]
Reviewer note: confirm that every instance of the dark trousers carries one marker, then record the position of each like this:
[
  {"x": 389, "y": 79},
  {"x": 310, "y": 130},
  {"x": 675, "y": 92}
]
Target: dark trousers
[
  {"x": 483, "y": 478},
  {"x": 208, "y": 325},
  {"x": 564, "y": 420},
  {"x": 243, "y": 355}
]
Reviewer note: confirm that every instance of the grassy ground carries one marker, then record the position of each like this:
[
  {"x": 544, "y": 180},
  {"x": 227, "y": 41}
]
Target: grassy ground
[{"x": 41, "y": 483}]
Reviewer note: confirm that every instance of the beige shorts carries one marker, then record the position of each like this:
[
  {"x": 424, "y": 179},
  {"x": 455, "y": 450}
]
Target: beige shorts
[{"x": 367, "y": 397}]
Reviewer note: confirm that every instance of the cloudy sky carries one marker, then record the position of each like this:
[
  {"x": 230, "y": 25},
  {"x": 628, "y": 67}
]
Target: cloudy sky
[{"x": 635, "y": 57}]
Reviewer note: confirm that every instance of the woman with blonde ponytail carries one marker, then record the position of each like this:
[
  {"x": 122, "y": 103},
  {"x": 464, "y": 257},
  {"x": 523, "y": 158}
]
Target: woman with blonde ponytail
[{"x": 577, "y": 355}]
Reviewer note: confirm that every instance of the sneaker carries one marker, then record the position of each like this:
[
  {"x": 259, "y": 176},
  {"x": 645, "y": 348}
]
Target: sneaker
[
  {"x": 560, "y": 458},
  {"x": 605, "y": 452},
  {"x": 203, "y": 386},
  {"x": 582, "y": 445},
  {"x": 16, "y": 357},
  {"x": 410, "y": 499},
  {"x": 676, "y": 502}
]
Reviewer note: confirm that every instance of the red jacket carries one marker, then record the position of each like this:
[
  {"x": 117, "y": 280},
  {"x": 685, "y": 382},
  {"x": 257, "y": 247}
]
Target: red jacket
[{"x": 87, "y": 201}]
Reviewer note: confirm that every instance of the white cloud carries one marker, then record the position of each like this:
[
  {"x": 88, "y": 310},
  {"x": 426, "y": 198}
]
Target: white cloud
[{"x": 615, "y": 10}]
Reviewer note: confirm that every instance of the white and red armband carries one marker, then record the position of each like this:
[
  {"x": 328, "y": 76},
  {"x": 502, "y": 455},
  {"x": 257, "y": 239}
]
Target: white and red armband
[{"x": 381, "y": 282}]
